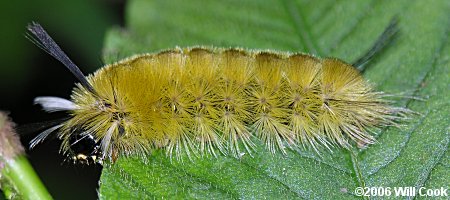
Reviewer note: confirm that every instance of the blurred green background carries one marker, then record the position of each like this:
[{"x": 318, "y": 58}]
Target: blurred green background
[{"x": 26, "y": 72}]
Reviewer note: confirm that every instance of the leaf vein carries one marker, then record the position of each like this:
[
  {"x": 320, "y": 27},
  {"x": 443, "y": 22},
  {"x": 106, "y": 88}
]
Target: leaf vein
[{"x": 302, "y": 29}]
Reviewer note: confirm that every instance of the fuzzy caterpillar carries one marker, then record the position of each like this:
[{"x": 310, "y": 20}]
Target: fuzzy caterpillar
[{"x": 209, "y": 100}]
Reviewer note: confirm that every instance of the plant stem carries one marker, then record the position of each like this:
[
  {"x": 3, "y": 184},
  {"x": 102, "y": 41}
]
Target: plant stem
[
  {"x": 19, "y": 173},
  {"x": 15, "y": 170}
]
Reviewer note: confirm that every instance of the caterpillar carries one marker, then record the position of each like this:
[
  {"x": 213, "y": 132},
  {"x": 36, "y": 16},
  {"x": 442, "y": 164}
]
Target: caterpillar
[{"x": 206, "y": 101}]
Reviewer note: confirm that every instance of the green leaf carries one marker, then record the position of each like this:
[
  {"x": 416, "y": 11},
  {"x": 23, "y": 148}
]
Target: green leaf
[{"x": 416, "y": 64}]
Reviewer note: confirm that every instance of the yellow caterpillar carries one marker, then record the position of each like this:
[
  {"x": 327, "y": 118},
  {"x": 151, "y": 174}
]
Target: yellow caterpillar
[{"x": 209, "y": 100}]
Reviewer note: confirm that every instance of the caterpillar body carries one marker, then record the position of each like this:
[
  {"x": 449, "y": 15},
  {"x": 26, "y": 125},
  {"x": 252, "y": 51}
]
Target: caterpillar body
[{"x": 206, "y": 101}]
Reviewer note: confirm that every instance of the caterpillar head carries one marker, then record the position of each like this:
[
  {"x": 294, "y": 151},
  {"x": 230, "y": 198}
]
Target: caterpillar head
[
  {"x": 83, "y": 141},
  {"x": 85, "y": 149},
  {"x": 95, "y": 130},
  {"x": 79, "y": 142}
]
